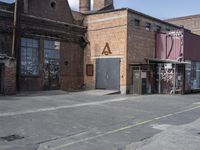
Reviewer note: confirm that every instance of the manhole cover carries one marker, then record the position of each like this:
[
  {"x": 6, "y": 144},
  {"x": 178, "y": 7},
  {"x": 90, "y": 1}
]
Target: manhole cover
[{"x": 11, "y": 138}]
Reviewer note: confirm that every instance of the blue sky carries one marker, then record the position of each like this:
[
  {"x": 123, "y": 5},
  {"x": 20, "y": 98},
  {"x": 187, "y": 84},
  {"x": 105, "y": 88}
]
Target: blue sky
[{"x": 162, "y": 9}]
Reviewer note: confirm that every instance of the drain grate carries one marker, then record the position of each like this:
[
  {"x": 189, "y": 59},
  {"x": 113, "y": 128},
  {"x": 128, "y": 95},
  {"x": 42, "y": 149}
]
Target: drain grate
[{"x": 11, "y": 138}]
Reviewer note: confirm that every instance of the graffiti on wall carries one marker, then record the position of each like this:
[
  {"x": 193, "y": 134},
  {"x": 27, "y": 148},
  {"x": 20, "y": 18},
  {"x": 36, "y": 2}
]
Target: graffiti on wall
[
  {"x": 167, "y": 79},
  {"x": 167, "y": 74}
]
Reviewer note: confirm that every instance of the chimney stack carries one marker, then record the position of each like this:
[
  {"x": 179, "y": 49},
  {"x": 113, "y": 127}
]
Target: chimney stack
[
  {"x": 84, "y": 5},
  {"x": 25, "y": 6}
]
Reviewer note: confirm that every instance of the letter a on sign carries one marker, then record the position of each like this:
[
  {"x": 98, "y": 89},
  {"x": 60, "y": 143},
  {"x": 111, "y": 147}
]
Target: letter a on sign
[{"x": 106, "y": 50}]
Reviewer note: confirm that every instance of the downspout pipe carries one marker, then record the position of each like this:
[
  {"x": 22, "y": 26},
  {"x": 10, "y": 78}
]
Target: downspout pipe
[{"x": 17, "y": 38}]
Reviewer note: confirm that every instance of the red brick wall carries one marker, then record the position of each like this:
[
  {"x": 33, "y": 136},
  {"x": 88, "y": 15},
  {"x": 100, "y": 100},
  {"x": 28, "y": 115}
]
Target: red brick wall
[
  {"x": 191, "y": 22},
  {"x": 42, "y": 8},
  {"x": 10, "y": 78}
]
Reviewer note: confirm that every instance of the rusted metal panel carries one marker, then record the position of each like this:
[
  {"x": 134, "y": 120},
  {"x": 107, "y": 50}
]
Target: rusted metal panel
[
  {"x": 170, "y": 45},
  {"x": 161, "y": 46},
  {"x": 191, "y": 46}
]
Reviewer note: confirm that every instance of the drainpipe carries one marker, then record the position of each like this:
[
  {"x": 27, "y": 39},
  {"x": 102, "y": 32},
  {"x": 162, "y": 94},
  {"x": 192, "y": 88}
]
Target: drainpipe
[
  {"x": 15, "y": 28},
  {"x": 16, "y": 37},
  {"x": 14, "y": 31}
]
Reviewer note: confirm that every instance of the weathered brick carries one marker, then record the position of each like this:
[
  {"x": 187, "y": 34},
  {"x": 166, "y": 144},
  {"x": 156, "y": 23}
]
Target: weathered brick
[{"x": 190, "y": 22}]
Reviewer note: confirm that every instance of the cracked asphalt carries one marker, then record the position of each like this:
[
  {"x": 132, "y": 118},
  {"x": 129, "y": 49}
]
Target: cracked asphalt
[{"x": 57, "y": 120}]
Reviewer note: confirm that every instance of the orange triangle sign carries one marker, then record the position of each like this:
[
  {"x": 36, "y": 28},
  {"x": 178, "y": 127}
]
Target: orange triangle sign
[{"x": 106, "y": 50}]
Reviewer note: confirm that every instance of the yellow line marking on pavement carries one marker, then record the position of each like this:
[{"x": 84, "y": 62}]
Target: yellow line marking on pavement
[{"x": 122, "y": 129}]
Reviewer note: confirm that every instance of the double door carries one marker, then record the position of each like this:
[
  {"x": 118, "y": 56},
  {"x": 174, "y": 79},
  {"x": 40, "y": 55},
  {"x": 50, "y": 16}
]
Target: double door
[{"x": 108, "y": 73}]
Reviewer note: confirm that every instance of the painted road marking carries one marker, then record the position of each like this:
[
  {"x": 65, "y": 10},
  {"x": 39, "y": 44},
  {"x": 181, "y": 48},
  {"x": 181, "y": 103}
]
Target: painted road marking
[
  {"x": 198, "y": 103},
  {"x": 161, "y": 127},
  {"x": 9, "y": 114},
  {"x": 121, "y": 129}
]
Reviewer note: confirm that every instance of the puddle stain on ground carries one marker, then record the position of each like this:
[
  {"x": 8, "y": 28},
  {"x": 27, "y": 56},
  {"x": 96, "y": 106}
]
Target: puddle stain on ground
[{"x": 11, "y": 138}]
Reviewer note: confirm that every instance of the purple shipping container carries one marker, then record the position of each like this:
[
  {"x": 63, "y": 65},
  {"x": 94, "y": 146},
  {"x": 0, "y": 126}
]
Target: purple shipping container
[
  {"x": 177, "y": 45},
  {"x": 170, "y": 45},
  {"x": 191, "y": 46}
]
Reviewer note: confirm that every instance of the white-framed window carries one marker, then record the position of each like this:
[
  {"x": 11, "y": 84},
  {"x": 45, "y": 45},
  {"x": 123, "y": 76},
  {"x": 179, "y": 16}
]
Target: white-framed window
[{"x": 29, "y": 57}]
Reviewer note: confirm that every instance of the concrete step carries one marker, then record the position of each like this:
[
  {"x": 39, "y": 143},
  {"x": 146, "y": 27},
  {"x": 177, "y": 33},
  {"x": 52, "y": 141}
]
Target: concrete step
[{"x": 100, "y": 92}]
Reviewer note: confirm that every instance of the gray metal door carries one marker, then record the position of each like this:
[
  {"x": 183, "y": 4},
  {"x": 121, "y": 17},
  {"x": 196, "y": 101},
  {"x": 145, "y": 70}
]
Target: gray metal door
[
  {"x": 108, "y": 73},
  {"x": 136, "y": 81}
]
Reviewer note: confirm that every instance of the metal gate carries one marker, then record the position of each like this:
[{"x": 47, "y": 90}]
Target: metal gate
[
  {"x": 167, "y": 79},
  {"x": 51, "y": 65},
  {"x": 108, "y": 73},
  {"x": 52, "y": 75}
]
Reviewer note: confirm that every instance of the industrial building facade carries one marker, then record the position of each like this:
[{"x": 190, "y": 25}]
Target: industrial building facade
[
  {"x": 123, "y": 37},
  {"x": 49, "y": 48},
  {"x": 103, "y": 48}
]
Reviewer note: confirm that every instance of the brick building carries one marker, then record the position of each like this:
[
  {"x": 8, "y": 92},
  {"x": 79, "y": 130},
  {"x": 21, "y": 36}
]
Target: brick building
[
  {"x": 120, "y": 40},
  {"x": 49, "y": 52},
  {"x": 190, "y": 22},
  {"x": 123, "y": 49},
  {"x": 103, "y": 48}
]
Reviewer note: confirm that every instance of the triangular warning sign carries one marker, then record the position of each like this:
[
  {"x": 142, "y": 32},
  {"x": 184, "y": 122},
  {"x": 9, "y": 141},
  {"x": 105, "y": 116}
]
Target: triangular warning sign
[{"x": 106, "y": 50}]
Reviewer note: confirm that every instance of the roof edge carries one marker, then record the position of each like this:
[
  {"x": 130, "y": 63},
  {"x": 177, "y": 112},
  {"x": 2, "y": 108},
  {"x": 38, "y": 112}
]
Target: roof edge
[
  {"x": 151, "y": 17},
  {"x": 183, "y": 17},
  {"x": 133, "y": 11}
]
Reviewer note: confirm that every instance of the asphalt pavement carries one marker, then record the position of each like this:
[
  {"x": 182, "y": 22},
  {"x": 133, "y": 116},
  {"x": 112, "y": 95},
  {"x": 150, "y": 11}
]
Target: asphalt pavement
[{"x": 81, "y": 121}]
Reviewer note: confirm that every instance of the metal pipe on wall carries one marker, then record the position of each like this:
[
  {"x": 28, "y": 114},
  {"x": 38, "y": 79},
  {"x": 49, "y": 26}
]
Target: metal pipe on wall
[{"x": 17, "y": 38}]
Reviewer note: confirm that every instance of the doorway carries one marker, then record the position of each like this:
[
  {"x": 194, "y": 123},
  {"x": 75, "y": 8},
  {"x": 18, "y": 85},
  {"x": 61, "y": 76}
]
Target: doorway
[
  {"x": 108, "y": 73},
  {"x": 51, "y": 65}
]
